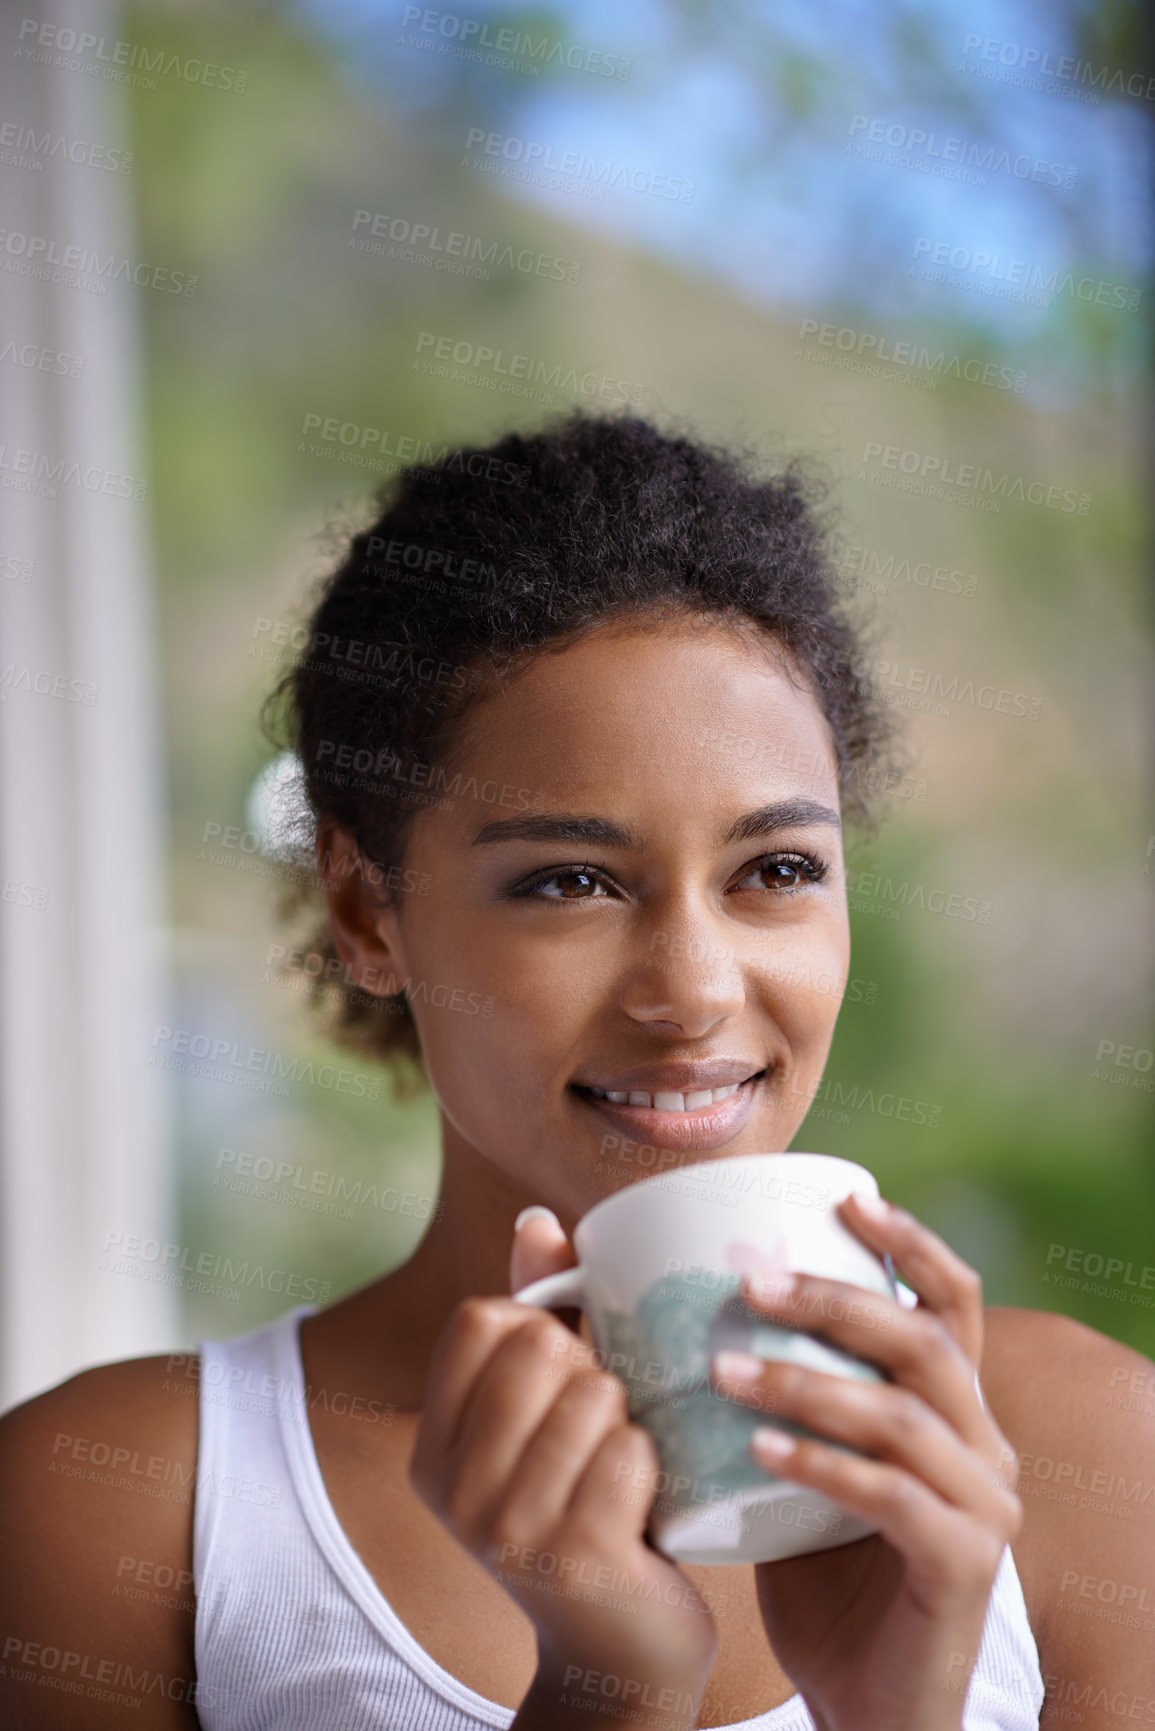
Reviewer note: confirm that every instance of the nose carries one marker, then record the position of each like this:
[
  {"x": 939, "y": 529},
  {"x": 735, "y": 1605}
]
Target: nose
[{"x": 685, "y": 978}]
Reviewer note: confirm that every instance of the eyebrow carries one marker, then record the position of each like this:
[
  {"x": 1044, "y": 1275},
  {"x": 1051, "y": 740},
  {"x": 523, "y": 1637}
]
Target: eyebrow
[{"x": 600, "y": 832}]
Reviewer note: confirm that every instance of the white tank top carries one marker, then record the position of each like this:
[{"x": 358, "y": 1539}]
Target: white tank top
[{"x": 292, "y": 1632}]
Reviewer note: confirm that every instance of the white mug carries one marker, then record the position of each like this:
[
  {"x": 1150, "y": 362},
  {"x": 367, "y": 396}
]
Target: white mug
[{"x": 659, "y": 1268}]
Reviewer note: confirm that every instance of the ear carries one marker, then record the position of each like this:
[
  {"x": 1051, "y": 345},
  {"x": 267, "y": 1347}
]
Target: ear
[{"x": 363, "y": 912}]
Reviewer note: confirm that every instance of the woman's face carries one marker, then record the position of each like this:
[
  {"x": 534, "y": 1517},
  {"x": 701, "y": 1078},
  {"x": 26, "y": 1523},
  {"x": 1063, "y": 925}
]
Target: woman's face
[{"x": 637, "y": 890}]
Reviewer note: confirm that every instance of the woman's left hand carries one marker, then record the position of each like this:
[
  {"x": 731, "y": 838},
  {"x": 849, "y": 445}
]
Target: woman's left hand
[{"x": 881, "y": 1634}]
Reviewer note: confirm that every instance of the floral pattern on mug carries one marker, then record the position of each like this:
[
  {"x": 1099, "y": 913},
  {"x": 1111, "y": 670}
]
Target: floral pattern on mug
[{"x": 662, "y": 1351}]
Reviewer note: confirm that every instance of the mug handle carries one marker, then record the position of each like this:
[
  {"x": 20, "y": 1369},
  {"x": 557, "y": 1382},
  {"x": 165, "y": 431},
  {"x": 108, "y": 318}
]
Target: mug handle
[{"x": 557, "y": 1291}]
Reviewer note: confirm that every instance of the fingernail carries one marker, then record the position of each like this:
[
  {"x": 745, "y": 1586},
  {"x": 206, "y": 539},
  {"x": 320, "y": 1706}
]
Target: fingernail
[
  {"x": 535, "y": 1212},
  {"x": 737, "y": 1366},
  {"x": 872, "y": 1206},
  {"x": 776, "y": 1443}
]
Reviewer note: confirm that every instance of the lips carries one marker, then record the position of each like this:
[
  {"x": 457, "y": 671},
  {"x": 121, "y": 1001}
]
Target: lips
[
  {"x": 688, "y": 1119},
  {"x": 674, "y": 1076}
]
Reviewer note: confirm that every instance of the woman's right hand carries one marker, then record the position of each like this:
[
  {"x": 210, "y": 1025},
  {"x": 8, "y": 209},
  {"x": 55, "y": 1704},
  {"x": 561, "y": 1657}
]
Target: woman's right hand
[{"x": 526, "y": 1455}]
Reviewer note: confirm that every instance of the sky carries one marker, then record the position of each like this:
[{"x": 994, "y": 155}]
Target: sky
[{"x": 827, "y": 149}]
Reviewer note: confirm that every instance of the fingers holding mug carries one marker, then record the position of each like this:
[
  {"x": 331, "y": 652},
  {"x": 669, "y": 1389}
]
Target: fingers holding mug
[
  {"x": 539, "y": 1247},
  {"x": 945, "y": 1284},
  {"x": 912, "y": 1348}
]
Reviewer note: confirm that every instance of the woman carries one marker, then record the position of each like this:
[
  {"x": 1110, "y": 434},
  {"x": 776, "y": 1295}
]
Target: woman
[{"x": 579, "y": 718}]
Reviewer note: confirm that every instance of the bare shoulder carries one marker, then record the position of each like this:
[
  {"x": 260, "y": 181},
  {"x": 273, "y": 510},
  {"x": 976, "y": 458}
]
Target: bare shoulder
[
  {"x": 97, "y": 1478},
  {"x": 1079, "y": 1409}
]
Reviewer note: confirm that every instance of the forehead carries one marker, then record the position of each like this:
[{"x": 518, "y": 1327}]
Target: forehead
[{"x": 640, "y": 706}]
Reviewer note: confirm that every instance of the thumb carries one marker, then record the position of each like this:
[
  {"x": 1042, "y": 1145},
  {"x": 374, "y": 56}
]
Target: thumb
[{"x": 540, "y": 1247}]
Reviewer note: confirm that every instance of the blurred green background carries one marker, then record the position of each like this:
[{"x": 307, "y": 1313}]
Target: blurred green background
[{"x": 1025, "y": 1137}]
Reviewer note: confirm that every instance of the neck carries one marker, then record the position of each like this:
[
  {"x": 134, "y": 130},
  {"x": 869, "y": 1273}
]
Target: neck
[{"x": 465, "y": 1251}]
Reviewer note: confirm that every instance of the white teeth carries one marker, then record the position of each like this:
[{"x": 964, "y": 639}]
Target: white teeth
[{"x": 665, "y": 1101}]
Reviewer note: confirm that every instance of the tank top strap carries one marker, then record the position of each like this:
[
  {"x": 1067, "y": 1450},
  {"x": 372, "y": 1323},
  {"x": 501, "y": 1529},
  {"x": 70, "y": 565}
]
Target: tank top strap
[
  {"x": 1006, "y": 1688},
  {"x": 292, "y": 1633}
]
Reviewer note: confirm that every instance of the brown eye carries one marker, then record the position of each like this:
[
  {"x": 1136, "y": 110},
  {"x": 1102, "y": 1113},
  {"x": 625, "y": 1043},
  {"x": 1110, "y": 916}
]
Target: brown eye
[
  {"x": 783, "y": 872},
  {"x": 577, "y": 884},
  {"x": 581, "y": 884}
]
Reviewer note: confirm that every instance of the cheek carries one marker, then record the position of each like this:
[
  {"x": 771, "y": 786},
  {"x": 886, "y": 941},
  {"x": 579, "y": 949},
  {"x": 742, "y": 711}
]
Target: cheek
[
  {"x": 806, "y": 980},
  {"x": 492, "y": 1077},
  {"x": 492, "y": 1019}
]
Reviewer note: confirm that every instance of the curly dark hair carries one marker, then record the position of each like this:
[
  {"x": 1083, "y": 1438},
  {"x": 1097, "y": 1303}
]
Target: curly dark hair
[{"x": 490, "y": 554}]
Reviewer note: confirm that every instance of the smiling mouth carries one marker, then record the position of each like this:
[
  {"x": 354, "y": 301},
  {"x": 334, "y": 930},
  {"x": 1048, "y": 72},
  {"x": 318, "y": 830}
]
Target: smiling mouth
[{"x": 695, "y": 1100}]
